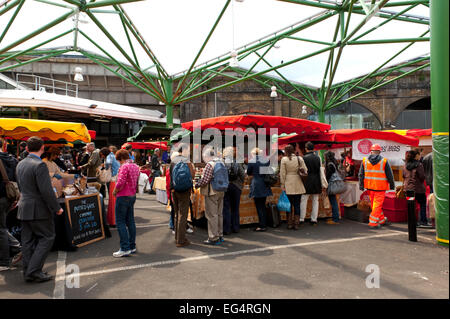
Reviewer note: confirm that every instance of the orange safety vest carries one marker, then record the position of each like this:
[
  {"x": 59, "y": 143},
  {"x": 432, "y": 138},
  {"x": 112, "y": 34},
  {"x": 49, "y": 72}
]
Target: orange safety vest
[{"x": 374, "y": 175}]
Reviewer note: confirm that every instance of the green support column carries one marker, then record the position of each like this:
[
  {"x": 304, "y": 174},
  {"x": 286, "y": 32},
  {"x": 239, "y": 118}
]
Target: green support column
[
  {"x": 168, "y": 89},
  {"x": 439, "y": 113}
]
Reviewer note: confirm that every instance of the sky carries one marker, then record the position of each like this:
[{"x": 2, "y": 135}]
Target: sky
[{"x": 176, "y": 29}]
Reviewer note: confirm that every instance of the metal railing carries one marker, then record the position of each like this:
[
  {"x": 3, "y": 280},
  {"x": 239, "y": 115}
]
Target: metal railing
[{"x": 40, "y": 83}]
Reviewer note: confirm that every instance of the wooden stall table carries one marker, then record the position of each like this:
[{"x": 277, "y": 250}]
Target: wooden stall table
[
  {"x": 159, "y": 186},
  {"x": 352, "y": 195},
  {"x": 247, "y": 208}
]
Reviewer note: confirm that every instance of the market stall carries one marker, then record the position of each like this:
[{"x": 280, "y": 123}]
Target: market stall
[
  {"x": 287, "y": 125},
  {"x": 83, "y": 220},
  {"x": 358, "y": 141}
]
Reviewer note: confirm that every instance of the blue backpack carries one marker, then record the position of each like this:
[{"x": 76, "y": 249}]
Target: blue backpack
[
  {"x": 220, "y": 181},
  {"x": 181, "y": 177}
]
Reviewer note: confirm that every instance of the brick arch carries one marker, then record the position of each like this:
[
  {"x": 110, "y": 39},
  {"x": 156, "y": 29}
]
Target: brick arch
[
  {"x": 370, "y": 108},
  {"x": 242, "y": 108}
]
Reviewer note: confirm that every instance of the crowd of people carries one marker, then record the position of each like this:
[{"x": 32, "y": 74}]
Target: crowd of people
[{"x": 301, "y": 176}]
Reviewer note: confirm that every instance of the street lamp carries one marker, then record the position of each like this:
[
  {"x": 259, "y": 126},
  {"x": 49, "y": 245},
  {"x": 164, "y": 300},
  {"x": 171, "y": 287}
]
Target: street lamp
[
  {"x": 78, "y": 75},
  {"x": 234, "y": 61},
  {"x": 274, "y": 91}
]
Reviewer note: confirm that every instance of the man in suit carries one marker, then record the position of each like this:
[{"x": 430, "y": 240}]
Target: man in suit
[{"x": 37, "y": 205}]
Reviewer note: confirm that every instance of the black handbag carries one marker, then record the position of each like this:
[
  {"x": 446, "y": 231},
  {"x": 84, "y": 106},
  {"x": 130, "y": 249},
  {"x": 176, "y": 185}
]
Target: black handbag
[{"x": 272, "y": 215}]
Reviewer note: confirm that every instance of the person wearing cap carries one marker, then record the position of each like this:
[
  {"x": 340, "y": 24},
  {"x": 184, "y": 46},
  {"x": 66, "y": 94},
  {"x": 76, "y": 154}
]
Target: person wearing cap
[{"x": 376, "y": 176}]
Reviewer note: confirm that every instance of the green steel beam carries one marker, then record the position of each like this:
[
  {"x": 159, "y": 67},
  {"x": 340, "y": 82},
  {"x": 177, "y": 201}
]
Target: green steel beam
[
  {"x": 98, "y": 4},
  {"x": 287, "y": 81},
  {"x": 309, "y": 40},
  {"x": 55, "y": 4},
  {"x": 14, "y": 55},
  {"x": 122, "y": 51},
  {"x": 10, "y": 22},
  {"x": 9, "y": 7},
  {"x": 400, "y": 3},
  {"x": 260, "y": 58},
  {"x": 55, "y": 53},
  {"x": 440, "y": 114},
  {"x": 142, "y": 42},
  {"x": 258, "y": 74},
  {"x": 388, "y": 41},
  {"x": 74, "y": 2},
  {"x": 384, "y": 22},
  {"x": 378, "y": 86},
  {"x": 113, "y": 61},
  {"x": 38, "y": 31},
  {"x": 264, "y": 43},
  {"x": 96, "y": 60},
  {"x": 358, "y": 81},
  {"x": 180, "y": 84},
  {"x": 315, "y": 4},
  {"x": 207, "y": 78}
]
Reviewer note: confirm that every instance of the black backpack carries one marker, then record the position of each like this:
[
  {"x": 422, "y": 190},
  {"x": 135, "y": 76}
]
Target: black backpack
[{"x": 233, "y": 171}]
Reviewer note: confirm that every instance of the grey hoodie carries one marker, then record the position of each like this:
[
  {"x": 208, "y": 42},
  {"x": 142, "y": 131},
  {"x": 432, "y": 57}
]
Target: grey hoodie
[{"x": 374, "y": 159}]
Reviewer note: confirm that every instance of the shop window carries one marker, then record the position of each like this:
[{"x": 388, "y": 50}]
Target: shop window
[
  {"x": 416, "y": 115},
  {"x": 349, "y": 116}
]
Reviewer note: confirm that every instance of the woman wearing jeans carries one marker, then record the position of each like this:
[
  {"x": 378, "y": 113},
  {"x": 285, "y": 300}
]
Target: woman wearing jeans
[
  {"x": 331, "y": 165},
  {"x": 125, "y": 192},
  {"x": 258, "y": 189}
]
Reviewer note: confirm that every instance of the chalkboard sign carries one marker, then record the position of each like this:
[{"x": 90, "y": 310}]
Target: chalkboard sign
[{"x": 85, "y": 218}]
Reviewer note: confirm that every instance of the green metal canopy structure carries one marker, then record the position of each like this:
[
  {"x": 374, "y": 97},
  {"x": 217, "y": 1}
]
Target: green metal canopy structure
[{"x": 321, "y": 53}]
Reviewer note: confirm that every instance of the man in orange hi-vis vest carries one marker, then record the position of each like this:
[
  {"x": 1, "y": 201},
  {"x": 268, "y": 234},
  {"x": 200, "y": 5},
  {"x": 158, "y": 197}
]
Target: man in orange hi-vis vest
[{"x": 376, "y": 176}]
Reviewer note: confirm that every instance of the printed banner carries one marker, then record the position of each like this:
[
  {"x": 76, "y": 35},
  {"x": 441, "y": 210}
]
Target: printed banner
[{"x": 394, "y": 152}]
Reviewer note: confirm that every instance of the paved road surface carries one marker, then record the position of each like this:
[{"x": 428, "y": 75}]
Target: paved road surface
[{"x": 320, "y": 262}]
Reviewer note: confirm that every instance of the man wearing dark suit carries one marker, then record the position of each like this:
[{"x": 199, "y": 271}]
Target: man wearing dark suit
[{"x": 37, "y": 205}]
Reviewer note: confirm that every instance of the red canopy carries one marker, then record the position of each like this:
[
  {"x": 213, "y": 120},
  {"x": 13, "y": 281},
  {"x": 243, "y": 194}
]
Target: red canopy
[
  {"x": 348, "y": 135},
  {"x": 419, "y": 132},
  {"x": 93, "y": 134},
  {"x": 147, "y": 145},
  {"x": 283, "y": 124}
]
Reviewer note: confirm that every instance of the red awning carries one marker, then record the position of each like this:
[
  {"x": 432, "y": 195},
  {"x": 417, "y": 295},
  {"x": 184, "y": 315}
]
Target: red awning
[
  {"x": 348, "y": 135},
  {"x": 93, "y": 134},
  {"x": 283, "y": 124},
  {"x": 419, "y": 132},
  {"x": 147, "y": 145}
]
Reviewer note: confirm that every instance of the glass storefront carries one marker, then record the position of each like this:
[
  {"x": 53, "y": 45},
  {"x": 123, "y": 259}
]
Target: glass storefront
[{"x": 349, "y": 116}]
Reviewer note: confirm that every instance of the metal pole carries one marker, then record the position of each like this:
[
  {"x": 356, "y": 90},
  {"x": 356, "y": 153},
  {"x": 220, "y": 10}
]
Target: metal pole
[
  {"x": 440, "y": 113},
  {"x": 412, "y": 223}
]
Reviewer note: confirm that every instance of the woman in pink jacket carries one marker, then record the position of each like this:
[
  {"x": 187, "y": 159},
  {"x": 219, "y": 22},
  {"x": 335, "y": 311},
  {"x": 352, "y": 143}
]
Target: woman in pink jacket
[{"x": 125, "y": 192}]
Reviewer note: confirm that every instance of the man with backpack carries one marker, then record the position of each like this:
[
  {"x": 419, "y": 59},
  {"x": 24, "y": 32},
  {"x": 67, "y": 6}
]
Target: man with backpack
[
  {"x": 213, "y": 185},
  {"x": 232, "y": 198},
  {"x": 182, "y": 173}
]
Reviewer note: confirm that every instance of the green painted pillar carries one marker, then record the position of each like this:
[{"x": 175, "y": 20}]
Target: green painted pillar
[
  {"x": 439, "y": 113},
  {"x": 168, "y": 88}
]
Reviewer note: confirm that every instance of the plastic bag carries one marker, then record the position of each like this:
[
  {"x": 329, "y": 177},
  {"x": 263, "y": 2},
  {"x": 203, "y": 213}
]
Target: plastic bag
[{"x": 284, "y": 205}]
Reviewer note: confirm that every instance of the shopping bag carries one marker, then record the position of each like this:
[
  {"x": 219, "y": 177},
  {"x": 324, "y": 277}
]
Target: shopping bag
[
  {"x": 283, "y": 204},
  {"x": 325, "y": 200},
  {"x": 364, "y": 203},
  {"x": 323, "y": 178}
]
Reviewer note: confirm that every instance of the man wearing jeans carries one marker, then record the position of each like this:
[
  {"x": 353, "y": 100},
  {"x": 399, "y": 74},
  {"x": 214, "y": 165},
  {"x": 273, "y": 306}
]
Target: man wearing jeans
[{"x": 125, "y": 191}]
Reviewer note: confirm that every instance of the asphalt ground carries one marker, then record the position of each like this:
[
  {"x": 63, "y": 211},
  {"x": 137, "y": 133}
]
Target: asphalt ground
[{"x": 315, "y": 262}]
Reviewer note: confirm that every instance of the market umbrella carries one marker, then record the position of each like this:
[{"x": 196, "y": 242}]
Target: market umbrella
[
  {"x": 283, "y": 124},
  {"x": 348, "y": 135},
  {"x": 22, "y": 129}
]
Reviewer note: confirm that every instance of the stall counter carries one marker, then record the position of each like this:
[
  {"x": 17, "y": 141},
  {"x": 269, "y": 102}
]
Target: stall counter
[{"x": 247, "y": 209}]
